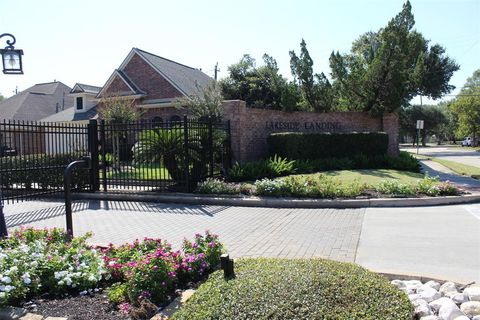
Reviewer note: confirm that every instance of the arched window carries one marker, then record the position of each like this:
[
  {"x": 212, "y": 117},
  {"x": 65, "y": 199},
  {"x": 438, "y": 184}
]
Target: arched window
[
  {"x": 157, "y": 121},
  {"x": 175, "y": 118}
]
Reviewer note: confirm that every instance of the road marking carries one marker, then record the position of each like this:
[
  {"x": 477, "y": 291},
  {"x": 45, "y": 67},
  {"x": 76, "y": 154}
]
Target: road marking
[{"x": 474, "y": 211}]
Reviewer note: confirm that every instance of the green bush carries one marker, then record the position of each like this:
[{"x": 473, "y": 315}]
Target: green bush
[
  {"x": 217, "y": 186},
  {"x": 393, "y": 187},
  {"x": 315, "y": 186},
  {"x": 275, "y": 166},
  {"x": 311, "y": 146},
  {"x": 297, "y": 289},
  {"x": 41, "y": 171}
]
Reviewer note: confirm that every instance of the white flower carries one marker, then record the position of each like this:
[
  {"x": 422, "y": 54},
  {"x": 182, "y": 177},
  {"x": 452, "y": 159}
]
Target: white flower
[
  {"x": 68, "y": 281},
  {"x": 9, "y": 288},
  {"x": 34, "y": 264},
  {"x": 2, "y": 287},
  {"x": 92, "y": 278},
  {"x": 6, "y": 279},
  {"x": 94, "y": 251},
  {"x": 26, "y": 278},
  {"x": 2, "y": 295},
  {"x": 13, "y": 269},
  {"x": 3, "y": 255}
]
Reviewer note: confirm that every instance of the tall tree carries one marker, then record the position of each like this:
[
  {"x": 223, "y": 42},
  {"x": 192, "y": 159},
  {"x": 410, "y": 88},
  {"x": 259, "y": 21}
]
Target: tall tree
[
  {"x": 1, "y": 98},
  {"x": 261, "y": 87},
  {"x": 466, "y": 107},
  {"x": 316, "y": 88},
  {"x": 207, "y": 104},
  {"x": 387, "y": 68}
]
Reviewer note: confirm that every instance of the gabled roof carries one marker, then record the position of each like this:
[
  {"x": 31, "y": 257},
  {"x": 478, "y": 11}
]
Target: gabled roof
[
  {"x": 80, "y": 87},
  {"x": 134, "y": 90},
  {"x": 188, "y": 80},
  {"x": 37, "y": 102},
  {"x": 70, "y": 115}
]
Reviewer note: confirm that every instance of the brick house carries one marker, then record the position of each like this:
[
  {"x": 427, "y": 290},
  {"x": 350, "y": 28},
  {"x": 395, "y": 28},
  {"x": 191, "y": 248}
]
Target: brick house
[{"x": 154, "y": 83}]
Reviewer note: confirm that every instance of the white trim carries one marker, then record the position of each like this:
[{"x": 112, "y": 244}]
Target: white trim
[
  {"x": 156, "y": 105},
  {"x": 130, "y": 56}
]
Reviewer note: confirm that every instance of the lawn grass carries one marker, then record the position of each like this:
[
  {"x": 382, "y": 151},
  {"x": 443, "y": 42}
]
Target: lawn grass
[
  {"x": 296, "y": 289},
  {"x": 142, "y": 172},
  {"x": 459, "y": 168},
  {"x": 372, "y": 176}
]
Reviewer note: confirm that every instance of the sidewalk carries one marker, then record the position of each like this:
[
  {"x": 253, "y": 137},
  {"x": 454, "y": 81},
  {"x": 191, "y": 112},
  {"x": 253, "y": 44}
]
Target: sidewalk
[{"x": 436, "y": 169}]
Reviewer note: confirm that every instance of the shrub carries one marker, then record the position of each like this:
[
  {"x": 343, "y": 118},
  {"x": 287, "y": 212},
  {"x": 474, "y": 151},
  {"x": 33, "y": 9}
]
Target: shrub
[
  {"x": 151, "y": 270},
  {"x": 217, "y": 186},
  {"x": 35, "y": 261},
  {"x": 297, "y": 288},
  {"x": 303, "y": 146},
  {"x": 393, "y": 187},
  {"x": 318, "y": 186},
  {"x": 431, "y": 187},
  {"x": 41, "y": 171},
  {"x": 275, "y": 166}
]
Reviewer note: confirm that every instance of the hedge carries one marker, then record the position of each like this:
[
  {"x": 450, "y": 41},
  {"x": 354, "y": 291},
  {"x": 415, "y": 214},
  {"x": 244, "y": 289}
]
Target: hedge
[
  {"x": 40, "y": 171},
  {"x": 311, "y": 146},
  {"x": 296, "y": 289}
]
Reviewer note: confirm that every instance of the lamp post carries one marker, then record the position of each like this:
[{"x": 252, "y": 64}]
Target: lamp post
[
  {"x": 12, "y": 64},
  {"x": 11, "y": 57}
]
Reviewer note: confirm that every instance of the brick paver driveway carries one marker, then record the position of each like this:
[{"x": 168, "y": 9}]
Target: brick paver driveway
[{"x": 247, "y": 232}]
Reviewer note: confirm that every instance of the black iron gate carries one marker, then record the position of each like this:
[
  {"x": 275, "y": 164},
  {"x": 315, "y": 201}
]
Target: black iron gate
[
  {"x": 156, "y": 156},
  {"x": 165, "y": 156}
]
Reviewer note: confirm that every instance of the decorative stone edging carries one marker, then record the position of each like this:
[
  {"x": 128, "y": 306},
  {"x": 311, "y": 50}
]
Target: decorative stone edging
[
  {"x": 244, "y": 201},
  {"x": 447, "y": 301}
]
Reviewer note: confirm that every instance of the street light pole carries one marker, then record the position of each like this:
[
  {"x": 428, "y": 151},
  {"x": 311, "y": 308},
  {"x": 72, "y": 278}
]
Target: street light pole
[{"x": 12, "y": 64}]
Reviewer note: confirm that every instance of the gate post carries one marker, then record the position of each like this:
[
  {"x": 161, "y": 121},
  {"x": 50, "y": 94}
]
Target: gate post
[
  {"x": 103, "y": 145},
  {"x": 186, "y": 155},
  {"x": 93, "y": 149},
  {"x": 210, "y": 147}
]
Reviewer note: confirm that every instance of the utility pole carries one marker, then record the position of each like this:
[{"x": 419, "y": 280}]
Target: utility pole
[{"x": 217, "y": 70}]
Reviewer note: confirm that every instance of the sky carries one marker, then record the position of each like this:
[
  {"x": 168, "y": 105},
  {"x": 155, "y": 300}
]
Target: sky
[{"x": 84, "y": 41}]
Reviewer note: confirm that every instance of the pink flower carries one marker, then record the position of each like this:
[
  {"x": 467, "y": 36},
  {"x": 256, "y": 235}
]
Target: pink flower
[{"x": 124, "y": 307}]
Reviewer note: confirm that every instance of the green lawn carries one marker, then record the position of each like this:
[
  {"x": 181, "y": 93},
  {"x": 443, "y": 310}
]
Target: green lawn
[
  {"x": 374, "y": 176},
  {"x": 143, "y": 172},
  {"x": 459, "y": 168}
]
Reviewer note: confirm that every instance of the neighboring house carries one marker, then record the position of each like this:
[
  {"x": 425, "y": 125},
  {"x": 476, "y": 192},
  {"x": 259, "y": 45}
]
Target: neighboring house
[
  {"x": 37, "y": 102},
  {"x": 33, "y": 104},
  {"x": 84, "y": 103},
  {"x": 153, "y": 83}
]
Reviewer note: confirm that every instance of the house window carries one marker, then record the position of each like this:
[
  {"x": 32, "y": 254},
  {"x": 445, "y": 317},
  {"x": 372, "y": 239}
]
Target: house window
[
  {"x": 157, "y": 121},
  {"x": 79, "y": 103},
  {"x": 175, "y": 119}
]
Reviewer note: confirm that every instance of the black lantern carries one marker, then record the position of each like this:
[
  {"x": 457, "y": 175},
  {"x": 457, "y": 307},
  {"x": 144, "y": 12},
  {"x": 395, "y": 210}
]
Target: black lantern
[{"x": 11, "y": 57}]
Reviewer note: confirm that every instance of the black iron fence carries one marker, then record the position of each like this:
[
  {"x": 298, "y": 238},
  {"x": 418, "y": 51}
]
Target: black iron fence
[
  {"x": 33, "y": 156},
  {"x": 169, "y": 156}
]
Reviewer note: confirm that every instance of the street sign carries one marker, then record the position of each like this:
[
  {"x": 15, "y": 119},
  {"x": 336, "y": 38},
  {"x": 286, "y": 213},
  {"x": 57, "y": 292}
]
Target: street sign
[{"x": 419, "y": 124}]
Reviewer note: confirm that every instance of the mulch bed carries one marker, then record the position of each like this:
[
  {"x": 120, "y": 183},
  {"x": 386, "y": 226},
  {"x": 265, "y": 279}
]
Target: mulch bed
[{"x": 92, "y": 306}]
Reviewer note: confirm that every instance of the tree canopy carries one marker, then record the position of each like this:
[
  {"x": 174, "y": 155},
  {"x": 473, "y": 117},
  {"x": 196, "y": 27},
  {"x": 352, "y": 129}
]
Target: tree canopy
[
  {"x": 382, "y": 72},
  {"x": 466, "y": 106},
  {"x": 387, "y": 68}
]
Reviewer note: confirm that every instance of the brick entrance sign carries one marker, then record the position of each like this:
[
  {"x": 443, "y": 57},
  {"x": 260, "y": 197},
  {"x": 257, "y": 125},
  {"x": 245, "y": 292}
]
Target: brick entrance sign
[{"x": 251, "y": 127}]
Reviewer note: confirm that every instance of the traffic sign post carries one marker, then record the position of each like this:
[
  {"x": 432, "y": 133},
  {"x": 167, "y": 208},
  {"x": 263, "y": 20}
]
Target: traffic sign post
[{"x": 419, "y": 127}]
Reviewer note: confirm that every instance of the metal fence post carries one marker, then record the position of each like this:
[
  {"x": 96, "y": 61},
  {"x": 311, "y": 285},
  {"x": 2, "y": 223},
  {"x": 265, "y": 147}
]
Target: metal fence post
[
  {"x": 210, "y": 147},
  {"x": 186, "y": 155},
  {"x": 93, "y": 148},
  {"x": 229, "y": 148},
  {"x": 103, "y": 144},
  {"x": 3, "y": 224}
]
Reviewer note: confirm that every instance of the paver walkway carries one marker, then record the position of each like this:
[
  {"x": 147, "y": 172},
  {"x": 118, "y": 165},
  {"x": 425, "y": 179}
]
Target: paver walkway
[
  {"x": 436, "y": 169},
  {"x": 441, "y": 242},
  {"x": 247, "y": 232}
]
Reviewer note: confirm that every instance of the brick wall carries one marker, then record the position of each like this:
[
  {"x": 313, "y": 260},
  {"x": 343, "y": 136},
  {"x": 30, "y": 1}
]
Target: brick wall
[
  {"x": 251, "y": 127},
  {"x": 147, "y": 79},
  {"x": 117, "y": 87}
]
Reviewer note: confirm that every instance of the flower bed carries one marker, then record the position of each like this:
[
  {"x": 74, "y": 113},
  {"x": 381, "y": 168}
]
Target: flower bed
[
  {"x": 33, "y": 262},
  {"x": 323, "y": 186}
]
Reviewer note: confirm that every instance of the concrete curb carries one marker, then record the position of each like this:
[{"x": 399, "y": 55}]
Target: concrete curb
[{"x": 244, "y": 201}]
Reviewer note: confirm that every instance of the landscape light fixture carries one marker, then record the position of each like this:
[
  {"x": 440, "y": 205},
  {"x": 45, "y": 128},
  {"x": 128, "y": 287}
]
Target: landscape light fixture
[{"x": 11, "y": 57}]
